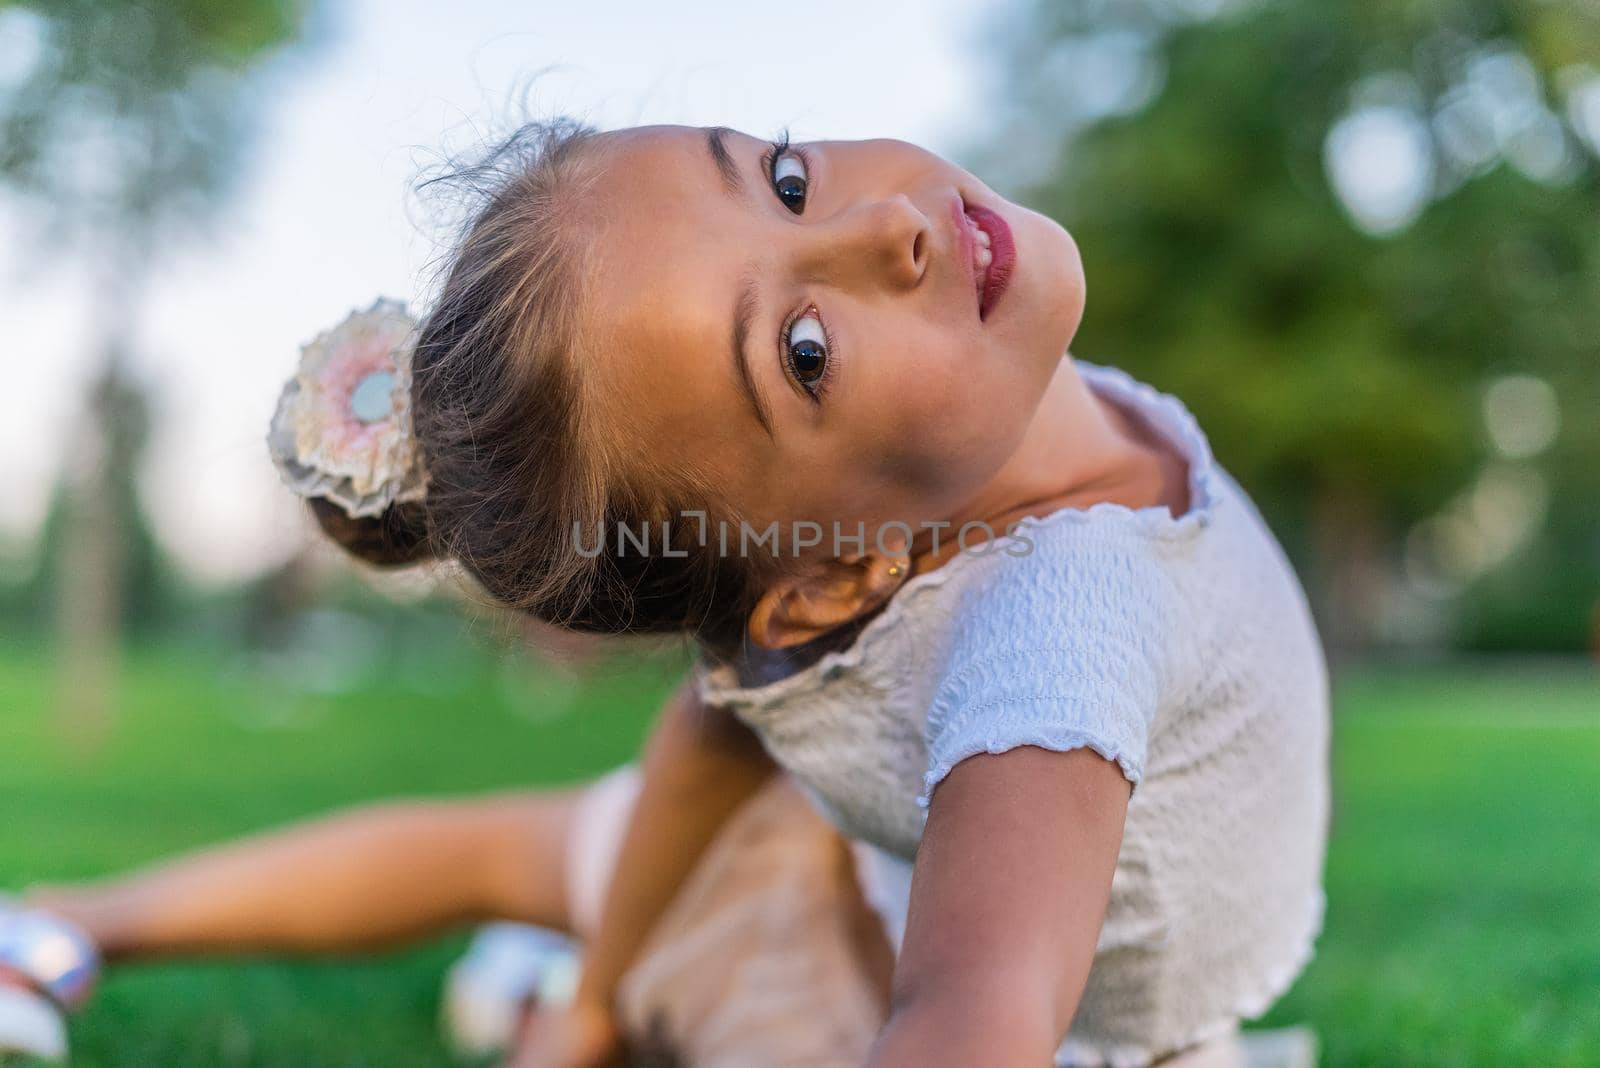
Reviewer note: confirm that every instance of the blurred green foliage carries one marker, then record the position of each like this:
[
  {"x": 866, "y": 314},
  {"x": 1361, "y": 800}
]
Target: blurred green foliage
[
  {"x": 131, "y": 113},
  {"x": 153, "y": 596},
  {"x": 1338, "y": 365},
  {"x": 123, "y": 122}
]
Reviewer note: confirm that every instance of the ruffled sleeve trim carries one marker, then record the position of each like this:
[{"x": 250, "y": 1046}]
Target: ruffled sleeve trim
[{"x": 1056, "y": 738}]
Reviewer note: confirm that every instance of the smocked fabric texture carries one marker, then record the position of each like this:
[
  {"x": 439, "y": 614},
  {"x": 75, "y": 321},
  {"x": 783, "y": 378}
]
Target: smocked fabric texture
[{"x": 1181, "y": 648}]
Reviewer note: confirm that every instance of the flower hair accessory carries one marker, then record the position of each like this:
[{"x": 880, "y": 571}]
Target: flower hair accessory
[{"x": 342, "y": 429}]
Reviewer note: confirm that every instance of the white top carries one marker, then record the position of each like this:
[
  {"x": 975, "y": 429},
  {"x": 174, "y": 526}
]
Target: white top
[{"x": 1183, "y": 649}]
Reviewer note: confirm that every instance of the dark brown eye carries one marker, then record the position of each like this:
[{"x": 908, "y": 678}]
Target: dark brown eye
[
  {"x": 809, "y": 360},
  {"x": 789, "y": 181},
  {"x": 807, "y": 351}
]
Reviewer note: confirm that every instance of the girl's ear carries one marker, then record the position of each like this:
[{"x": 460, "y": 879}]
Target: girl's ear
[{"x": 798, "y": 607}]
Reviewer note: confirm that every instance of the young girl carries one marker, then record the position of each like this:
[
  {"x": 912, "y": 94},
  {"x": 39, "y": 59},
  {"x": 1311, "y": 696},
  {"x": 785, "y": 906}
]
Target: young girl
[{"x": 998, "y": 612}]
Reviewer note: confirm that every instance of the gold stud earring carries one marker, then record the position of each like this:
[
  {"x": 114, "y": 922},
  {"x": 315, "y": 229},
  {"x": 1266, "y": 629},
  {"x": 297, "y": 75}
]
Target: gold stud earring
[{"x": 898, "y": 568}]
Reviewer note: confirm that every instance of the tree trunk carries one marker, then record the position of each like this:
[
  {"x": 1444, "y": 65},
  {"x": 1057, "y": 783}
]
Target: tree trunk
[
  {"x": 89, "y": 585},
  {"x": 1348, "y": 577}
]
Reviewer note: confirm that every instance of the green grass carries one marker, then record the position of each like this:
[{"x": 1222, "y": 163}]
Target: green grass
[
  {"x": 201, "y": 752},
  {"x": 1463, "y": 882},
  {"x": 1464, "y": 874}
]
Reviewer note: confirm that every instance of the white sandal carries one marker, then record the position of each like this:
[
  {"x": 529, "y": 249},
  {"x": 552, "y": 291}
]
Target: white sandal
[
  {"x": 48, "y": 966},
  {"x": 506, "y": 970},
  {"x": 30, "y": 1025}
]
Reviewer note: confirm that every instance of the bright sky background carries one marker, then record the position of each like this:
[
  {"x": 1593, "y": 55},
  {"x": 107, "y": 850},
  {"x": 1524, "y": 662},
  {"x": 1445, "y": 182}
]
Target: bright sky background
[{"x": 322, "y": 219}]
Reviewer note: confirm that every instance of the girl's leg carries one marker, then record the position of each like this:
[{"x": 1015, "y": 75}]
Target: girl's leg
[
  {"x": 367, "y": 878},
  {"x": 770, "y": 954}
]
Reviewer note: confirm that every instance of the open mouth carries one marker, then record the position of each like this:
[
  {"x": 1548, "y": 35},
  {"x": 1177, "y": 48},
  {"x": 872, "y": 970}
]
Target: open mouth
[{"x": 994, "y": 255}]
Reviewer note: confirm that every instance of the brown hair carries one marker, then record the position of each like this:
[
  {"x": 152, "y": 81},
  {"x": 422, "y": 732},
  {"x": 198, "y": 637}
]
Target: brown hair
[{"x": 518, "y": 462}]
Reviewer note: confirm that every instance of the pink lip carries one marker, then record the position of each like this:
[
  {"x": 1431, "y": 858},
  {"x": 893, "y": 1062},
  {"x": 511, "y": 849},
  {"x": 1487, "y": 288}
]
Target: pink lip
[{"x": 1003, "y": 249}]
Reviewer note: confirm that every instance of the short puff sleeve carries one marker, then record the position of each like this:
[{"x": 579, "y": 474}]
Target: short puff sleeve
[{"x": 1062, "y": 649}]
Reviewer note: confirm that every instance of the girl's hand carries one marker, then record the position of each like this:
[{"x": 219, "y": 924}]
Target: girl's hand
[{"x": 583, "y": 1034}]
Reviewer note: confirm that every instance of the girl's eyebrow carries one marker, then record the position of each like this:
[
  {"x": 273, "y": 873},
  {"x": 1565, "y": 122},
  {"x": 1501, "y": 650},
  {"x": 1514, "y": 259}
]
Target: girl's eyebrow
[
  {"x": 716, "y": 144},
  {"x": 744, "y": 310}
]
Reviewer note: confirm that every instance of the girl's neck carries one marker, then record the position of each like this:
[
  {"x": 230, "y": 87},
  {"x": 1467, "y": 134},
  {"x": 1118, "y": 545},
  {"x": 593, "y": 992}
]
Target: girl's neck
[{"x": 1080, "y": 449}]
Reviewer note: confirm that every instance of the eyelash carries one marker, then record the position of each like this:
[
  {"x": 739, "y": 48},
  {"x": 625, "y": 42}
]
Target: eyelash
[
  {"x": 814, "y": 391},
  {"x": 776, "y": 151}
]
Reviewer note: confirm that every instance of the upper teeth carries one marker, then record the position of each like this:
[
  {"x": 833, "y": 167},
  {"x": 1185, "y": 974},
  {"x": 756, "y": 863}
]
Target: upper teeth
[{"x": 981, "y": 253}]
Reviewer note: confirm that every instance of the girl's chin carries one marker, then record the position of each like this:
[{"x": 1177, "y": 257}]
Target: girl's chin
[
  {"x": 1055, "y": 314},
  {"x": 1057, "y": 288},
  {"x": 1071, "y": 287}
]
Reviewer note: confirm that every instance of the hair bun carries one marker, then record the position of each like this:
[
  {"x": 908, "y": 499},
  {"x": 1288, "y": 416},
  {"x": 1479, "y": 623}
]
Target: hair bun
[{"x": 394, "y": 538}]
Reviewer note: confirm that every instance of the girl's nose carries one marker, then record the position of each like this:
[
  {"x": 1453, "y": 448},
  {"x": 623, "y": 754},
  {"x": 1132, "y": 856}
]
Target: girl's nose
[{"x": 882, "y": 243}]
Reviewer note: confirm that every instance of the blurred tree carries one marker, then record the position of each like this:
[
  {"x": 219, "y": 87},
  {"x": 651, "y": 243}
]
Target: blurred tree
[
  {"x": 123, "y": 121},
  {"x": 1327, "y": 224}
]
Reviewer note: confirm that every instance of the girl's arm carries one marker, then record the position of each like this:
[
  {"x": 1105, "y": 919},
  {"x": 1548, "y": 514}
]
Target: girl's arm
[
  {"x": 699, "y": 766},
  {"x": 1009, "y": 892}
]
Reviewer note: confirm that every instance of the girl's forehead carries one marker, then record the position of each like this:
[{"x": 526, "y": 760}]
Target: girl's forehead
[
  {"x": 663, "y": 234},
  {"x": 666, "y": 257},
  {"x": 648, "y": 179},
  {"x": 657, "y": 144}
]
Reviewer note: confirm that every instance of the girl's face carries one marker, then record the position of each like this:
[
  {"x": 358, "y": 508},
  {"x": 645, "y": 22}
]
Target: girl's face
[{"x": 806, "y": 329}]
